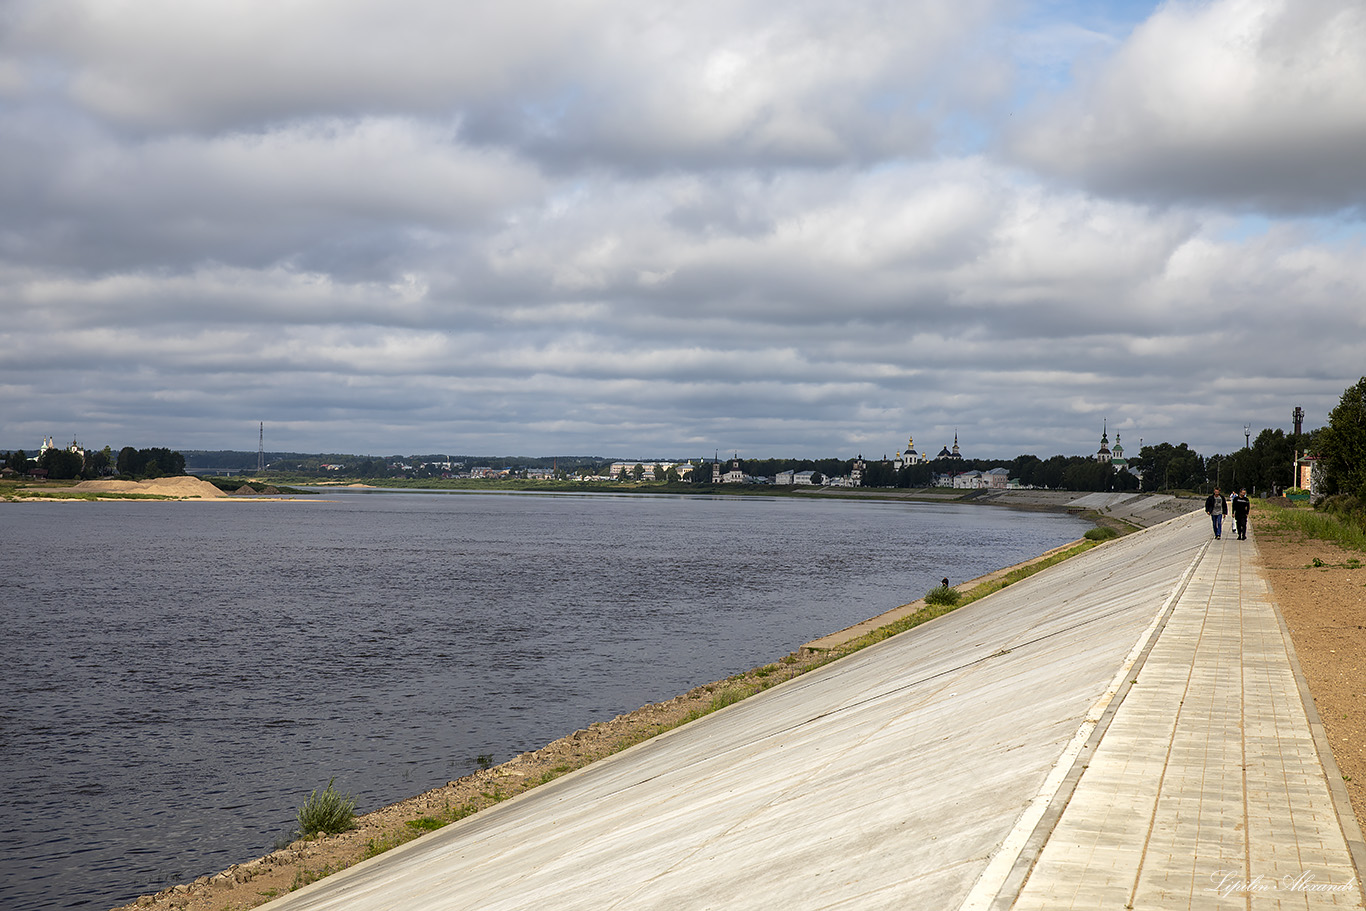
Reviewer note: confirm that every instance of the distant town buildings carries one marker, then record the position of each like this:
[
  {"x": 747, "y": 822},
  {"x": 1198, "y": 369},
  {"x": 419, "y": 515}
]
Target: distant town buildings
[
  {"x": 909, "y": 457},
  {"x": 48, "y": 444},
  {"x": 1309, "y": 473},
  {"x": 991, "y": 479},
  {"x": 1115, "y": 457},
  {"x": 653, "y": 471},
  {"x": 946, "y": 453}
]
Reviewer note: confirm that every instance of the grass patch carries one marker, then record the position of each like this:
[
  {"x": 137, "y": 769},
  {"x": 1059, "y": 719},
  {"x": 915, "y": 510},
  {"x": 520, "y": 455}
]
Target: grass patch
[
  {"x": 412, "y": 828},
  {"x": 426, "y": 823},
  {"x": 1320, "y": 525},
  {"x": 1101, "y": 533},
  {"x": 329, "y": 812},
  {"x": 31, "y": 494},
  {"x": 943, "y": 595}
]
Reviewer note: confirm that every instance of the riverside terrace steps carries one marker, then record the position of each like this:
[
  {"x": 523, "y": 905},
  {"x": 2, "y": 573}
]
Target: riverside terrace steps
[{"x": 919, "y": 773}]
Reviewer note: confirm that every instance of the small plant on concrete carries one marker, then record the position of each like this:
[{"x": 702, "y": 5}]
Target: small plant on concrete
[
  {"x": 329, "y": 811},
  {"x": 1101, "y": 533},
  {"x": 943, "y": 595}
]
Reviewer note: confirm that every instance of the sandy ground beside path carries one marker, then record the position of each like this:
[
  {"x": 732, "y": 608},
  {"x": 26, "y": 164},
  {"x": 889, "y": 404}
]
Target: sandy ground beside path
[{"x": 1325, "y": 610}]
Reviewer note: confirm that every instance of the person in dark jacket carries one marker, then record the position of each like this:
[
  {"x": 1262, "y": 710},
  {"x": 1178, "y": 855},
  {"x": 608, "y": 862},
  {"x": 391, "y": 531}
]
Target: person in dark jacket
[
  {"x": 1241, "y": 507},
  {"x": 1216, "y": 507}
]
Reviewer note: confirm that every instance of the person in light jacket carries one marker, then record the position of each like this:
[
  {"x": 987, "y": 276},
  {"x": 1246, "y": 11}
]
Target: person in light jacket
[{"x": 1216, "y": 507}]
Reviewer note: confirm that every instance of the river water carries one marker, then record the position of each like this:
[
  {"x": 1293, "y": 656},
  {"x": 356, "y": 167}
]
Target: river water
[{"x": 179, "y": 676}]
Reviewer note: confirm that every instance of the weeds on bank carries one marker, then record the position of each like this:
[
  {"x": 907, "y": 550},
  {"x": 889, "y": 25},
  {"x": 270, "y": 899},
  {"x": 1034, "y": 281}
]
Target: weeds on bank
[
  {"x": 329, "y": 812},
  {"x": 304, "y": 876},
  {"x": 412, "y": 828},
  {"x": 1315, "y": 524},
  {"x": 943, "y": 595}
]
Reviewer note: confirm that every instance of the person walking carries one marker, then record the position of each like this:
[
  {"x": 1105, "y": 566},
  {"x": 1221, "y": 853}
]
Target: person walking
[
  {"x": 1216, "y": 507},
  {"x": 1241, "y": 507}
]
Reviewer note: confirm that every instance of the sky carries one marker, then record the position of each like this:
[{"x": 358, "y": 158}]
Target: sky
[{"x": 633, "y": 229}]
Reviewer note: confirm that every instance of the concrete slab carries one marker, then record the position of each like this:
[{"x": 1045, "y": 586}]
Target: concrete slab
[{"x": 929, "y": 770}]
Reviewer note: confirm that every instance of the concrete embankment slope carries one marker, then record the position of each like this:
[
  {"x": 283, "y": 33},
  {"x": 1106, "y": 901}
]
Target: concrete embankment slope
[{"x": 1000, "y": 755}]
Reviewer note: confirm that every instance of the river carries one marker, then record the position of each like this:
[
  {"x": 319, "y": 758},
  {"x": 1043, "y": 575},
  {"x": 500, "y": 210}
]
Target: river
[{"x": 179, "y": 676}]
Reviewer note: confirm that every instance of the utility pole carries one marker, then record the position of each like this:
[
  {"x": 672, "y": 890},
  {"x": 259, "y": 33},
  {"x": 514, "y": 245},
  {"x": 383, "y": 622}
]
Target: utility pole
[{"x": 261, "y": 450}]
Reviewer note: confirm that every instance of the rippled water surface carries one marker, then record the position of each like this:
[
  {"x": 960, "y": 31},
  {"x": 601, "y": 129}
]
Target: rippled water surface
[{"x": 178, "y": 676}]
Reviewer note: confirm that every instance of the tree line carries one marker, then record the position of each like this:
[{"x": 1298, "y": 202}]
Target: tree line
[
  {"x": 1265, "y": 466},
  {"x": 132, "y": 463}
]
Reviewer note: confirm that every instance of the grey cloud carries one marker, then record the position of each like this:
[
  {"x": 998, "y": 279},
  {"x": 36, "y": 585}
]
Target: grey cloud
[{"x": 336, "y": 194}]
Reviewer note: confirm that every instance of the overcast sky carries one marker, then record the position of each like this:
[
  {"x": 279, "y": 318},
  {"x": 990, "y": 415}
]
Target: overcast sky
[{"x": 631, "y": 228}]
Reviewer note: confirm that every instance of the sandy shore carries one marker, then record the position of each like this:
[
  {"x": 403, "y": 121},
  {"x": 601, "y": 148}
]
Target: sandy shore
[{"x": 184, "y": 487}]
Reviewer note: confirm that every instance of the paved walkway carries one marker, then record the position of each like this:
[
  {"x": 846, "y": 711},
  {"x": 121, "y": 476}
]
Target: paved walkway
[
  {"x": 1001, "y": 756},
  {"x": 1207, "y": 789}
]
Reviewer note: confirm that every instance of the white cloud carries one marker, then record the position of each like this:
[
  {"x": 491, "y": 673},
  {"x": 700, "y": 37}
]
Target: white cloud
[
  {"x": 1249, "y": 103},
  {"x": 648, "y": 85},
  {"x": 622, "y": 227}
]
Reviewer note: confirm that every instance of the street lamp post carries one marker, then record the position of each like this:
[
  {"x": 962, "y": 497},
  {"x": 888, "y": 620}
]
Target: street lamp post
[{"x": 1247, "y": 435}]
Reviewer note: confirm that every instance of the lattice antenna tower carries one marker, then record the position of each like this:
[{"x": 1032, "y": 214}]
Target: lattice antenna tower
[{"x": 261, "y": 450}]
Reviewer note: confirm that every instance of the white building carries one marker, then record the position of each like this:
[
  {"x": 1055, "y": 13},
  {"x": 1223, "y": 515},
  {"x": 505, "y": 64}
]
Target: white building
[
  {"x": 909, "y": 457},
  {"x": 49, "y": 444}
]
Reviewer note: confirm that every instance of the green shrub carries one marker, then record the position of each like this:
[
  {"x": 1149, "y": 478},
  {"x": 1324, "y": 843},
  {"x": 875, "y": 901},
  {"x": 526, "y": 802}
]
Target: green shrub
[
  {"x": 1101, "y": 533},
  {"x": 943, "y": 595},
  {"x": 330, "y": 812}
]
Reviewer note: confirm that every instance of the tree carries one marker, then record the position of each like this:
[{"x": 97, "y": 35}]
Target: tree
[
  {"x": 638, "y": 473},
  {"x": 1026, "y": 469},
  {"x": 129, "y": 464},
  {"x": 1167, "y": 467},
  {"x": 1273, "y": 455},
  {"x": 19, "y": 462},
  {"x": 1086, "y": 474},
  {"x": 61, "y": 464},
  {"x": 150, "y": 463},
  {"x": 98, "y": 464},
  {"x": 1342, "y": 445}
]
